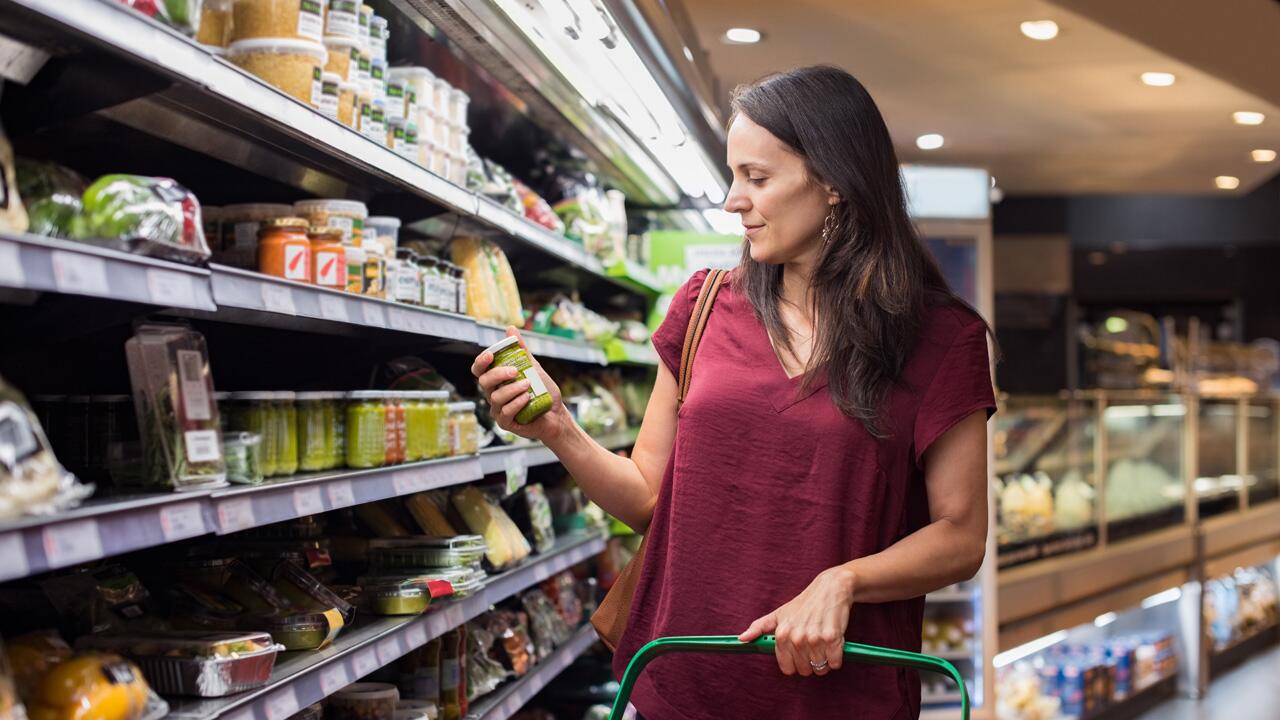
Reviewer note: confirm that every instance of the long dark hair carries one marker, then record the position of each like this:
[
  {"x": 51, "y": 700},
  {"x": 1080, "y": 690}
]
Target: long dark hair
[{"x": 873, "y": 278}]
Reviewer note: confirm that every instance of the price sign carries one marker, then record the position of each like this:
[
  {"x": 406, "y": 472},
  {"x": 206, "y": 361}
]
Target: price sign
[
  {"x": 307, "y": 501},
  {"x": 72, "y": 542},
  {"x": 334, "y": 678},
  {"x": 14, "y": 552},
  {"x": 182, "y": 520},
  {"x": 235, "y": 515},
  {"x": 11, "y": 274},
  {"x": 282, "y": 704},
  {"x": 365, "y": 662},
  {"x": 388, "y": 650},
  {"x": 76, "y": 273},
  {"x": 333, "y": 308},
  {"x": 416, "y": 635},
  {"x": 341, "y": 495},
  {"x": 407, "y": 482},
  {"x": 373, "y": 314},
  {"x": 173, "y": 289},
  {"x": 278, "y": 299}
]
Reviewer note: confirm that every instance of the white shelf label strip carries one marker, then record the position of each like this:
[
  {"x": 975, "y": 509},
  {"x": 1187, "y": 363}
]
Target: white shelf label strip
[
  {"x": 14, "y": 552},
  {"x": 182, "y": 520},
  {"x": 72, "y": 542},
  {"x": 76, "y": 273},
  {"x": 11, "y": 274}
]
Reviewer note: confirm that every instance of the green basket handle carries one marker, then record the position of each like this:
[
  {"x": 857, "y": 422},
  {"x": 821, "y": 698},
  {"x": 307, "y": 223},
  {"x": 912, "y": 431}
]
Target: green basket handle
[{"x": 729, "y": 645}]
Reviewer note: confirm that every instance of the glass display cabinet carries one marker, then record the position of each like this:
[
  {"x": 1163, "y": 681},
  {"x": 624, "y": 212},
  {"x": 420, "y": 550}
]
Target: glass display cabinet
[
  {"x": 1262, "y": 475},
  {"x": 1144, "y": 446}
]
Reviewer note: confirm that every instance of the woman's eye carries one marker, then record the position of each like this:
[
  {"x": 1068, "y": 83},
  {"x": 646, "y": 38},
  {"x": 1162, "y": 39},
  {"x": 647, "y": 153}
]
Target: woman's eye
[{"x": 756, "y": 181}]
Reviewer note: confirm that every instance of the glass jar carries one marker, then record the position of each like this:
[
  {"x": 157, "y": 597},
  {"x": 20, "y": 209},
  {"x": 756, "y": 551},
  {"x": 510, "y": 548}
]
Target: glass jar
[
  {"x": 459, "y": 288},
  {"x": 328, "y": 257},
  {"x": 335, "y": 429},
  {"x": 416, "y": 418},
  {"x": 508, "y": 352},
  {"x": 253, "y": 412},
  {"x": 375, "y": 269},
  {"x": 464, "y": 429},
  {"x": 393, "y": 405},
  {"x": 355, "y": 268},
  {"x": 286, "y": 419},
  {"x": 366, "y": 429},
  {"x": 437, "y": 419},
  {"x": 314, "y": 435},
  {"x": 284, "y": 250},
  {"x": 408, "y": 279}
]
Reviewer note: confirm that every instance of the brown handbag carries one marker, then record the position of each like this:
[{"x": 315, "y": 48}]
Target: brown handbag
[{"x": 610, "y": 619}]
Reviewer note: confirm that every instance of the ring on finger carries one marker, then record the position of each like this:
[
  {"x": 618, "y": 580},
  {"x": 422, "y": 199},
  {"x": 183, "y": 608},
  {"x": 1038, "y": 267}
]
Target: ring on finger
[{"x": 818, "y": 666}]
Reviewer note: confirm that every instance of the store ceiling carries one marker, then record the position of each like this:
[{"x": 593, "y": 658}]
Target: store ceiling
[{"x": 1066, "y": 116}]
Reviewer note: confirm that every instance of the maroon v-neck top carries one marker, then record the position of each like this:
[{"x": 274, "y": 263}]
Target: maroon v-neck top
[{"x": 765, "y": 489}]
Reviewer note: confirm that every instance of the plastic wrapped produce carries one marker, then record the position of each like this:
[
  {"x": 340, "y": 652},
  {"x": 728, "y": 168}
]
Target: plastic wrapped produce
[
  {"x": 92, "y": 686},
  {"x": 150, "y": 216},
  {"x": 182, "y": 15},
  {"x": 484, "y": 517},
  {"x": 363, "y": 701},
  {"x": 484, "y": 674},
  {"x": 31, "y": 479},
  {"x": 52, "y": 194},
  {"x": 29, "y": 657},
  {"x": 13, "y": 216},
  {"x": 537, "y": 209},
  {"x": 195, "y": 663},
  {"x": 173, "y": 399}
]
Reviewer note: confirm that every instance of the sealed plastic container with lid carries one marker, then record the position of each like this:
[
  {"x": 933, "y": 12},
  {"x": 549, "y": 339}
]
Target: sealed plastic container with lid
[
  {"x": 418, "y": 79},
  {"x": 378, "y": 76},
  {"x": 440, "y": 97},
  {"x": 415, "y": 713},
  {"x": 363, "y": 701},
  {"x": 284, "y": 250},
  {"x": 378, "y": 121},
  {"x": 509, "y": 353},
  {"x": 346, "y": 214},
  {"x": 395, "y": 136},
  {"x": 253, "y": 412},
  {"x": 355, "y": 269},
  {"x": 343, "y": 19},
  {"x": 386, "y": 230},
  {"x": 410, "y": 149},
  {"x": 303, "y": 631},
  {"x": 301, "y": 19},
  {"x": 427, "y": 552},
  {"x": 215, "y": 23},
  {"x": 379, "y": 35},
  {"x": 293, "y": 66},
  {"x": 457, "y": 172},
  {"x": 328, "y": 258},
  {"x": 397, "y": 101},
  {"x": 198, "y": 663},
  {"x": 330, "y": 87},
  {"x": 375, "y": 269},
  {"x": 440, "y": 159},
  {"x": 458, "y": 102},
  {"x": 347, "y": 104},
  {"x": 240, "y": 225},
  {"x": 362, "y": 69},
  {"x": 305, "y": 592},
  {"x": 366, "y": 426},
  {"x": 343, "y": 54},
  {"x": 314, "y": 434},
  {"x": 464, "y": 429},
  {"x": 402, "y": 599},
  {"x": 286, "y": 418},
  {"x": 244, "y": 457},
  {"x": 364, "y": 110}
]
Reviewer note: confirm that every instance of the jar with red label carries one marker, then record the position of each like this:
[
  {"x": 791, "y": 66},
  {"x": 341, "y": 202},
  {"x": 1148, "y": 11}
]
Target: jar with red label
[
  {"x": 284, "y": 250},
  {"x": 328, "y": 258}
]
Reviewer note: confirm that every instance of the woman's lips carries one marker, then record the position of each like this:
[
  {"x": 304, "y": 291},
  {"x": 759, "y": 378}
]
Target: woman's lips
[{"x": 752, "y": 229}]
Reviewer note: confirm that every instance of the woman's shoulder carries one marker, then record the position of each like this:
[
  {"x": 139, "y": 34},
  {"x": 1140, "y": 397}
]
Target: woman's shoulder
[{"x": 946, "y": 320}]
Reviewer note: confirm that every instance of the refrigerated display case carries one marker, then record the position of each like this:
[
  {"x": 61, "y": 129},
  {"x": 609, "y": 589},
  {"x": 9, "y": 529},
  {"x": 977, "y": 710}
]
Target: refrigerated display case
[
  {"x": 1144, "y": 450},
  {"x": 1262, "y": 474}
]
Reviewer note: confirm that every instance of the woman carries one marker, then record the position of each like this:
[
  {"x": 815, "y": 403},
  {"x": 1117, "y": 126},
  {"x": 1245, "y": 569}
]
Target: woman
[{"x": 828, "y": 467}]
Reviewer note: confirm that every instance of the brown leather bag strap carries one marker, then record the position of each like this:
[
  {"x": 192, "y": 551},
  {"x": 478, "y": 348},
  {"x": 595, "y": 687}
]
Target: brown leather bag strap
[{"x": 697, "y": 324}]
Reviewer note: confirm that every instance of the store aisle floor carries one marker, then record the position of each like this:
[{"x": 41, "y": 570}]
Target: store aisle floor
[{"x": 1249, "y": 692}]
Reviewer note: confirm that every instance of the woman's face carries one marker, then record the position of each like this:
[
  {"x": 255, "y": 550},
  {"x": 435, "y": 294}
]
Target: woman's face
[{"x": 782, "y": 208}]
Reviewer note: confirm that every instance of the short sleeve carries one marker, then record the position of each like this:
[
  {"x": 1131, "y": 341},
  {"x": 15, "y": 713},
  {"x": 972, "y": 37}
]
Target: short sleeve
[
  {"x": 960, "y": 387},
  {"x": 668, "y": 339}
]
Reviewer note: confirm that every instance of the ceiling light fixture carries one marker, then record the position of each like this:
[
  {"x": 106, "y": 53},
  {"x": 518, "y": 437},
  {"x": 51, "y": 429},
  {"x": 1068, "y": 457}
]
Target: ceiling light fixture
[
  {"x": 1248, "y": 118},
  {"x": 1158, "y": 79},
  {"x": 1263, "y": 156},
  {"x": 742, "y": 36},
  {"x": 1226, "y": 182},
  {"x": 1040, "y": 29},
  {"x": 930, "y": 141}
]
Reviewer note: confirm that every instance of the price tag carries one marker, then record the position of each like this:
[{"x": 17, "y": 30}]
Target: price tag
[
  {"x": 407, "y": 482},
  {"x": 173, "y": 289},
  {"x": 365, "y": 663},
  {"x": 416, "y": 635},
  {"x": 243, "y": 715},
  {"x": 334, "y": 678},
  {"x": 76, "y": 273},
  {"x": 341, "y": 495},
  {"x": 517, "y": 471},
  {"x": 373, "y": 314},
  {"x": 388, "y": 650},
  {"x": 182, "y": 520},
  {"x": 11, "y": 274},
  {"x": 235, "y": 515},
  {"x": 333, "y": 308},
  {"x": 401, "y": 320},
  {"x": 14, "y": 552},
  {"x": 279, "y": 299},
  {"x": 282, "y": 704},
  {"x": 72, "y": 542},
  {"x": 454, "y": 615},
  {"x": 307, "y": 501}
]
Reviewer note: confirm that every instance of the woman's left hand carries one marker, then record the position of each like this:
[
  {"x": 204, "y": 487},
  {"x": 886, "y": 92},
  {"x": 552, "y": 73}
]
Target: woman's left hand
[{"x": 810, "y": 629}]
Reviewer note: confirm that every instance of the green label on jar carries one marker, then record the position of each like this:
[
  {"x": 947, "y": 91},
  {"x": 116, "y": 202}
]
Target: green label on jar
[
  {"x": 378, "y": 115},
  {"x": 377, "y": 71},
  {"x": 329, "y": 88},
  {"x": 364, "y": 63},
  {"x": 413, "y": 95},
  {"x": 395, "y": 91}
]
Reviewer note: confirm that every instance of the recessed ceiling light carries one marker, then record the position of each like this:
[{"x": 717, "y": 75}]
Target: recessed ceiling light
[
  {"x": 1248, "y": 118},
  {"x": 931, "y": 141},
  {"x": 1158, "y": 79},
  {"x": 1226, "y": 182},
  {"x": 1040, "y": 29},
  {"x": 1263, "y": 155},
  {"x": 741, "y": 36}
]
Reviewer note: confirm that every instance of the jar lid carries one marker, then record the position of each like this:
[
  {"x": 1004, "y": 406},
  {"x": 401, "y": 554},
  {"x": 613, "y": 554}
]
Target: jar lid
[
  {"x": 369, "y": 692},
  {"x": 372, "y": 246},
  {"x": 278, "y": 46},
  {"x": 413, "y": 72},
  {"x": 350, "y": 207},
  {"x": 322, "y": 230},
  {"x": 284, "y": 222},
  {"x": 255, "y": 395},
  {"x": 377, "y": 20},
  {"x": 331, "y": 77},
  {"x": 384, "y": 220},
  {"x": 460, "y": 407},
  {"x": 442, "y": 83},
  {"x": 502, "y": 344},
  {"x": 456, "y": 94}
]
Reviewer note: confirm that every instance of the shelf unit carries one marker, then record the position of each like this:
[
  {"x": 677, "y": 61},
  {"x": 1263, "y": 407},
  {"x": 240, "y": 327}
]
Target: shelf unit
[{"x": 507, "y": 700}]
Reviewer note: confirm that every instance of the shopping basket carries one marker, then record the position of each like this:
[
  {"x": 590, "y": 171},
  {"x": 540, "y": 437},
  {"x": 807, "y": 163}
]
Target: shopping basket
[{"x": 729, "y": 645}]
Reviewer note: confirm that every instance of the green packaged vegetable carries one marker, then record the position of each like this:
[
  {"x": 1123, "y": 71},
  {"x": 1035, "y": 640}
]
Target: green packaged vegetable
[
  {"x": 52, "y": 194},
  {"x": 150, "y": 216}
]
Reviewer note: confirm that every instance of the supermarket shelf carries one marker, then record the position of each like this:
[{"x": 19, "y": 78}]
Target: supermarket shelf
[
  {"x": 1138, "y": 702},
  {"x": 218, "y": 106},
  {"x": 29, "y": 262},
  {"x": 635, "y": 275},
  {"x": 499, "y": 459},
  {"x": 619, "y": 351},
  {"x": 509, "y": 699},
  {"x": 300, "y": 679},
  {"x": 545, "y": 345}
]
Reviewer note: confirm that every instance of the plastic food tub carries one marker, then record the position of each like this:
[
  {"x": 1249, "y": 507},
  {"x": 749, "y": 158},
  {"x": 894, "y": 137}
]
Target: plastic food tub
[
  {"x": 299, "y": 19},
  {"x": 196, "y": 663},
  {"x": 363, "y": 701},
  {"x": 346, "y": 214},
  {"x": 398, "y": 599},
  {"x": 291, "y": 65},
  {"x": 427, "y": 552},
  {"x": 343, "y": 54}
]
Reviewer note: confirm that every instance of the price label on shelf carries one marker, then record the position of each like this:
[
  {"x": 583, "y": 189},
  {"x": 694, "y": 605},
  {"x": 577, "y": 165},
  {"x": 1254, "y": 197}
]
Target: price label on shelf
[
  {"x": 169, "y": 288},
  {"x": 278, "y": 299},
  {"x": 334, "y": 677},
  {"x": 333, "y": 308},
  {"x": 454, "y": 615},
  {"x": 416, "y": 635},
  {"x": 11, "y": 274},
  {"x": 72, "y": 542},
  {"x": 373, "y": 314},
  {"x": 409, "y": 481},
  {"x": 281, "y": 704},
  {"x": 76, "y": 273},
  {"x": 236, "y": 514},
  {"x": 14, "y": 552},
  {"x": 365, "y": 662},
  {"x": 388, "y": 650},
  {"x": 341, "y": 495},
  {"x": 307, "y": 501},
  {"x": 242, "y": 715},
  {"x": 517, "y": 465},
  {"x": 182, "y": 520},
  {"x": 401, "y": 320}
]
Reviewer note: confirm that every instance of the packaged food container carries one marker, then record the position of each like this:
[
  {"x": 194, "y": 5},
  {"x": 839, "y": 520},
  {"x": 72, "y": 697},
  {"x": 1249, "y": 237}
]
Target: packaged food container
[
  {"x": 298, "y": 19},
  {"x": 176, "y": 415},
  {"x": 335, "y": 419},
  {"x": 401, "y": 599},
  {"x": 363, "y": 701},
  {"x": 293, "y": 66},
  {"x": 328, "y": 257},
  {"x": 244, "y": 457},
  {"x": 410, "y": 149},
  {"x": 427, "y": 552},
  {"x": 414, "y": 713},
  {"x": 347, "y": 104},
  {"x": 343, "y": 19},
  {"x": 439, "y": 158},
  {"x": 366, "y": 23},
  {"x": 95, "y": 685},
  {"x": 252, "y": 412},
  {"x": 286, "y": 418},
  {"x": 378, "y": 78},
  {"x": 426, "y": 415},
  {"x": 403, "y": 282},
  {"x": 459, "y": 300},
  {"x": 375, "y": 269},
  {"x": 457, "y": 172},
  {"x": 386, "y": 230},
  {"x": 284, "y": 250},
  {"x": 343, "y": 54},
  {"x": 363, "y": 69},
  {"x": 464, "y": 429},
  {"x": 215, "y": 23},
  {"x": 440, "y": 97},
  {"x": 307, "y": 593},
  {"x": 314, "y": 432},
  {"x": 239, "y": 231},
  {"x": 348, "y": 215},
  {"x": 251, "y": 591},
  {"x": 508, "y": 352},
  {"x": 303, "y": 631},
  {"x": 355, "y": 269},
  {"x": 418, "y": 80},
  {"x": 364, "y": 110},
  {"x": 426, "y": 146},
  {"x": 366, "y": 429},
  {"x": 197, "y": 663},
  {"x": 425, "y": 707},
  {"x": 396, "y": 101},
  {"x": 395, "y": 425},
  {"x": 378, "y": 121},
  {"x": 329, "y": 89},
  {"x": 395, "y": 136},
  {"x": 379, "y": 35},
  {"x": 458, "y": 102}
]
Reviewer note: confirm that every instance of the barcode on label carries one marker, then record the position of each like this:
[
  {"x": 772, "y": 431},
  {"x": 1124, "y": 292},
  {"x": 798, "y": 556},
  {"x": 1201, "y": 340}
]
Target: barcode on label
[
  {"x": 202, "y": 445},
  {"x": 195, "y": 394}
]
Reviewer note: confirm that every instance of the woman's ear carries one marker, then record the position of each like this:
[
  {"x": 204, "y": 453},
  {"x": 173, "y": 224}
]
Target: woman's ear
[{"x": 833, "y": 197}]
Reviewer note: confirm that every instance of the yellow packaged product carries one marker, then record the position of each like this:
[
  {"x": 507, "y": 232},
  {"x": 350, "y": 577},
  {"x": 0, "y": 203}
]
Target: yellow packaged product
[
  {"x": 216, "y": 23},
  {"x": 343, "y": 53},
  {"x": 427, "y": 514},
  {"x": 483, "y": 296},
  {"x": 506, "y": 545},
  {"x": 92, "y": 686},
  {"x": 347, "y": 104},
  {"x": 31, "y": 657},
  {"x": 509, "y": 293},
  {"x": 293, "y": 66},
  {"x": 380, "y": 522},
  {"x": 299, "y": 19}
]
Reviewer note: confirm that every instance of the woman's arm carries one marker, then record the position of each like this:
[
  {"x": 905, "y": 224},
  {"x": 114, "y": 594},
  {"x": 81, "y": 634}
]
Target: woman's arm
[
  {"x": 810, "y": 629},
  {"x": 626, "y": 488}
]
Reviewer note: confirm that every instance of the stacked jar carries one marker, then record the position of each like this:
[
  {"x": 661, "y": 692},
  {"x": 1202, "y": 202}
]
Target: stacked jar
[
  {"x": 284, "y": 249},
  {"x": 464, "y": 429},
  {"x": 366, "y": 429},
  {"x": 254, "y": 412},
  {"x": 280, "y": 41}
]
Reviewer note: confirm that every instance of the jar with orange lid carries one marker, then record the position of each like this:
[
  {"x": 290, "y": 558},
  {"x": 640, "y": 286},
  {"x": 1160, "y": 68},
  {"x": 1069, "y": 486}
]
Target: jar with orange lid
[
  {"x": 328, "y": 257},
  {"x": 284, "y": 249}
]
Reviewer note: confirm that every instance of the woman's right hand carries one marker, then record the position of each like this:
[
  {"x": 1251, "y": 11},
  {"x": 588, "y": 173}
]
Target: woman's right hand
[{"x": 507, "y": 400}]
